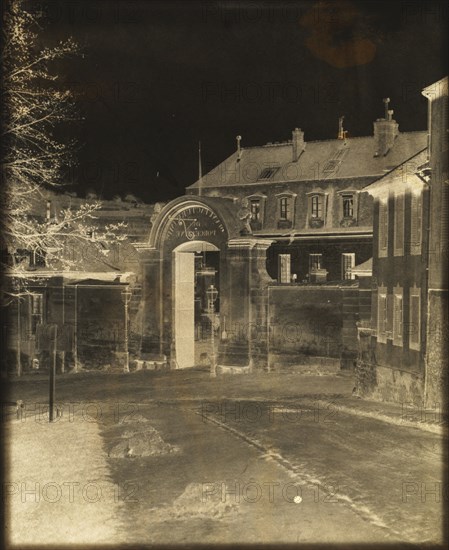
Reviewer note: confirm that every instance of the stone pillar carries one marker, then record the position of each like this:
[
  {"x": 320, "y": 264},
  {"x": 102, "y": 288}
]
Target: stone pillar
[
  {"x": 152, "y": 301},
  {"x": 243, "y": 300},
  {"x": 259, "y": 281}
]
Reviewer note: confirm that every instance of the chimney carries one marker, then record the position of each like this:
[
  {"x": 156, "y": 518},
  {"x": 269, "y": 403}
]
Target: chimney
[
  {"x": 385, "y": 131},
  {"x": 298, "y": 144},
  {"x": 239, "y": 150}
]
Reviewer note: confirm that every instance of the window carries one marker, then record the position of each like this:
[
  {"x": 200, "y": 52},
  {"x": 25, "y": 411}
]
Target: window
[
  {"x": 399, "y": 225},
  {"x": 317, "y": 206},
  {"x": 348, "y": 206},
  {"x": 268, "y": 173},
  {"x": 382, "y": 315},
  {"x": 284, "y": 268},
  {"x": 398, "y": 317},
  {"x": 284, "y": 208},
  {"x": 383, "y": 229},
  {"x": 36, "y": 310},
  {"x": 36, "y": 304},
  {"x": 347, "y": 263},
  {"x": 255, "y": 210},
  {"x": 315, "y": 261},
  {"x": 330, "y": 166},
  {"x": 416, "y": 224},
  {"x": 415, "y": 319}
]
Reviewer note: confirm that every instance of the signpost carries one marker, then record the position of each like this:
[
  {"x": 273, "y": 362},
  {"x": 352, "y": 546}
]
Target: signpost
[
  {"x": 51, "y": 397},
  {"x": 49, "y": 338}
]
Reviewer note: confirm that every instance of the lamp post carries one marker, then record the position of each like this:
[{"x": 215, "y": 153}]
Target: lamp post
[
  {"x": 126, "y": 297},
  {"x": 212, "y": 295}
]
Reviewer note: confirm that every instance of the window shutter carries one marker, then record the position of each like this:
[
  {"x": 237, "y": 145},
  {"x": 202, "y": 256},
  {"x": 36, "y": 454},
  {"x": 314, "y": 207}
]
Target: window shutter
[
  {"x": 397, "y": 319},
  {"x": 444, "y": 212},
  {"x": 284, "y": 268},
  {"x": 414, "y": 325},
  {"x": 381, "y": 317},
  {"x": 399, "y": 223},
  {"x": 383, "y": 228},
  {"x": 416, "y": 224},
  {"x": 389, "y": 315}
]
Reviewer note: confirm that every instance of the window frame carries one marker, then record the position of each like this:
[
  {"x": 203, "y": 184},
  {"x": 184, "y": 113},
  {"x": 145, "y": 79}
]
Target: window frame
[
  {"x": 343, "y": 270},
  {"x": 290, "y": 200},
  {"x": 318, "y": 198},
  {"x": 255, "y": 212},
  {"x": 320, "y": 262},
  {"x": 35, "y": 318},
  {"x": 398, "y": 323},
  {"x": 345, "y": 198}
]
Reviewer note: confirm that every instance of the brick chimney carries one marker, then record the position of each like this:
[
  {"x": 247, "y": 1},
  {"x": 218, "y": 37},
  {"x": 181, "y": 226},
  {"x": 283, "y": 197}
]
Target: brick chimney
[
  {"x": 298, "y": 143},
  {"x": 385, "y": 131}
]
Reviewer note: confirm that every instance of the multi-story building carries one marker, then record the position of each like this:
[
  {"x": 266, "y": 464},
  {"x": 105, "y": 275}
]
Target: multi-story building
[
  {"x": 403, "y": 350},
  {"x": 274, "y": 223},
  {"x": 309, "y": 197},
  {"x": 84, "y": 288}
]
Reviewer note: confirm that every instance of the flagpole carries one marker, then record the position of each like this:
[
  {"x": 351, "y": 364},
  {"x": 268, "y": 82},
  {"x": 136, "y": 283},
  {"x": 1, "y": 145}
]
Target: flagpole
[{"x": 200, "y": 170}]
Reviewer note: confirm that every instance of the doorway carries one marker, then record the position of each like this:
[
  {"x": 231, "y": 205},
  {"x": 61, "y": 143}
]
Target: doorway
[{"x": 195, "y": 268}]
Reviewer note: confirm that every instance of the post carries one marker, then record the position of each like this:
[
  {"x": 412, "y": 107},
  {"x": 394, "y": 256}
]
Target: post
[
  {"x": 213, "y": 367},
  {"x": 126, "y": 296},
  {"x": 19, "y": 337},
  {"x": 51, "y": 401},
  {"x": 75, "y": 330},
  {"x": 212, "y": 295}
]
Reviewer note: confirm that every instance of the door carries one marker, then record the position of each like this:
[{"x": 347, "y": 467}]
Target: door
[{"x": 184, "y": 311}]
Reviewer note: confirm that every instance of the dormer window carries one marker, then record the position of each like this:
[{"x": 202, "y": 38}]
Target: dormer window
[
  {"x": 348, "y": 206},
  {"x": 269, "y": 172},
  {"x": 317, "y": 206},
  {"x": 286, "y": 209},
  {"x": 257, "y": 209}
]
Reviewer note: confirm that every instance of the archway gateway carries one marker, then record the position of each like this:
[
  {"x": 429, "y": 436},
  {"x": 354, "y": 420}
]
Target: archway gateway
[
  {"x": 193, "y": 272},
  {"x": 195, "y": 242}
]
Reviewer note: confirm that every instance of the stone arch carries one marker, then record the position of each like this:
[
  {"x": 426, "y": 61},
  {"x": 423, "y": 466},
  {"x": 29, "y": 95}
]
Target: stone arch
[{"x": 199, "y": 218}]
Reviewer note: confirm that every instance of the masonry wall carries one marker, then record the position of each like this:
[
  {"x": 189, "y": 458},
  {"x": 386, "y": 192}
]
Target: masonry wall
[{"x": 312, "y": 325}]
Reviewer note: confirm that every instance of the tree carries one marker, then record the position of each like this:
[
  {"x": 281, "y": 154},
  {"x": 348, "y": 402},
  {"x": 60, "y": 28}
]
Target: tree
[{"x": 34, "y": 159}]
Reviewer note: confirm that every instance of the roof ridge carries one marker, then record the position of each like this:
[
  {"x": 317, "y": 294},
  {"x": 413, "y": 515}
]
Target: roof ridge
[{"x": 350, "y": 138}]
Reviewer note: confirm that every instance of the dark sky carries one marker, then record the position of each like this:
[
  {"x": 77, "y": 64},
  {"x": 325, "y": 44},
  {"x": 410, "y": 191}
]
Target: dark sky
[{"x": 159, "y": 76}]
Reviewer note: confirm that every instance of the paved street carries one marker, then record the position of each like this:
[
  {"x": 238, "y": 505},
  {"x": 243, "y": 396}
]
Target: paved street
[{"x": 269, "y": 458}]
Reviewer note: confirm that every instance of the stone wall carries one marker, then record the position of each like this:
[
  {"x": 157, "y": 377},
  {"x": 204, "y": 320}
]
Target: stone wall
[
  {"x": 312, "y": 325},
  {"x": 437, "y": 383}
]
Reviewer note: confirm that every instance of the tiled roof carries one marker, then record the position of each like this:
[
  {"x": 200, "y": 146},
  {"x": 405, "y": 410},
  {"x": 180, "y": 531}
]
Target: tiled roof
[
  {"x": 406, "y": 175},
  {"x": 321, "y": 160}
]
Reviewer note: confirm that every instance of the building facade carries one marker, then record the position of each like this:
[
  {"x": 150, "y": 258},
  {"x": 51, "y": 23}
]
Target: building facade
[
  {"x": 403, "y": 349},
  {"x": 277, "y": 229},
  {"x": 84, "y": 293}
]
